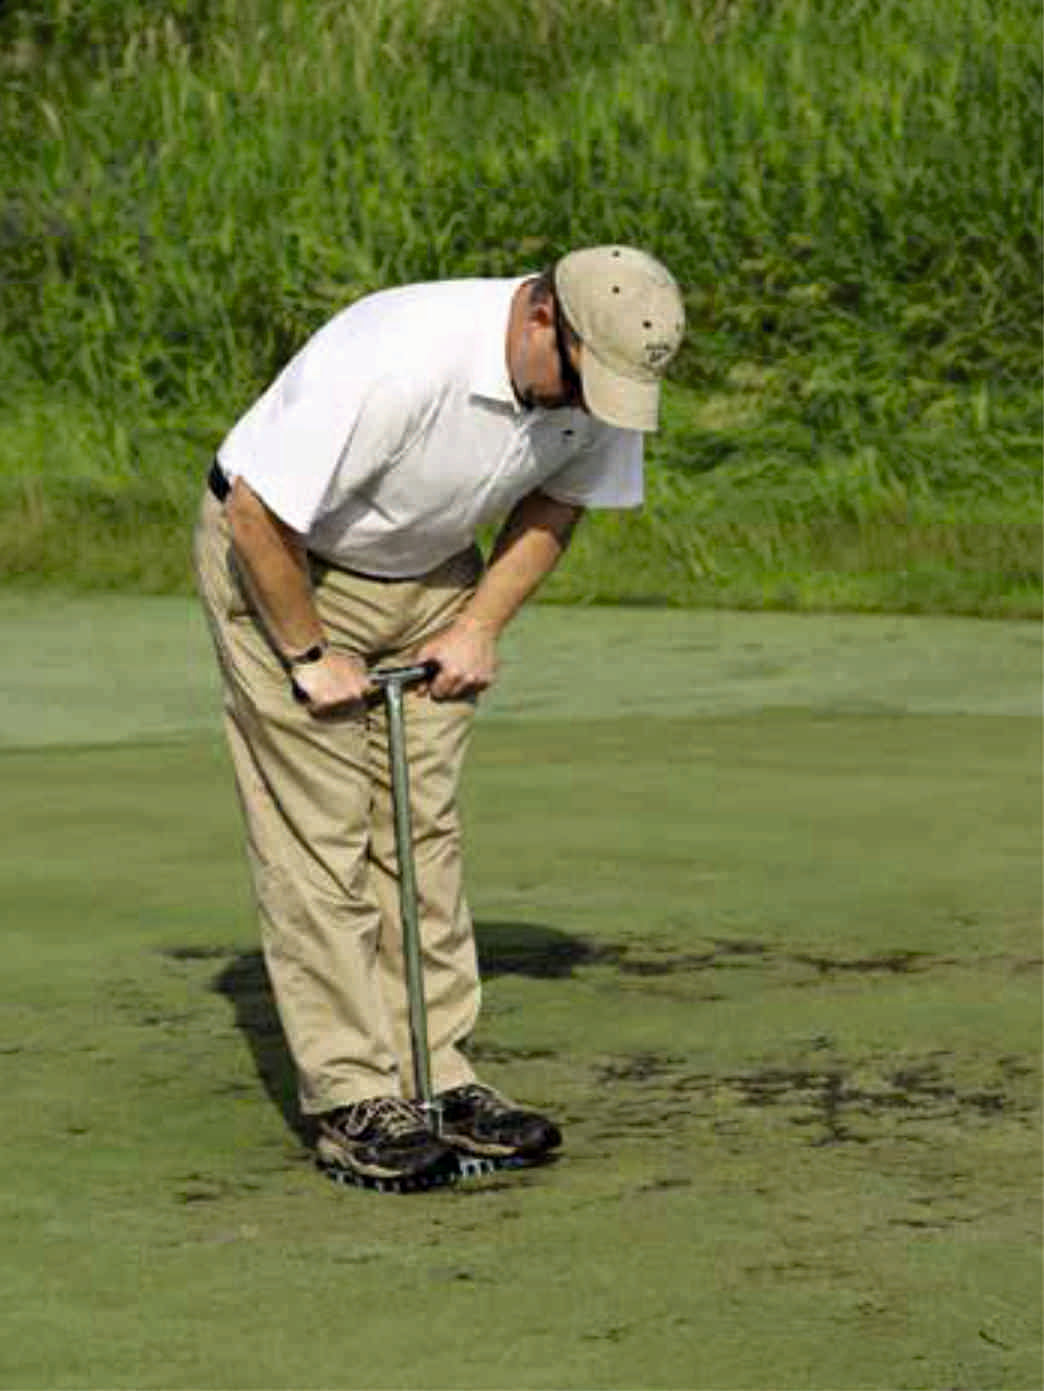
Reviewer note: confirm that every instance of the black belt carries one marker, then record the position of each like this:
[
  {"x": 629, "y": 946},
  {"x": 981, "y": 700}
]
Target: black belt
[{"x": 217, "y": 482}]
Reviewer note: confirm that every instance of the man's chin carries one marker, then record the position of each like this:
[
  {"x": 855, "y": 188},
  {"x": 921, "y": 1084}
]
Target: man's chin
[{"x": 537, "y": 400}]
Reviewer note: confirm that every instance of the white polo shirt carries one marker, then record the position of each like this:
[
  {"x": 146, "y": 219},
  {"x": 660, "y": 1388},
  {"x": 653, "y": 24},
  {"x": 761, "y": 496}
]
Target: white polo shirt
[{"x": 394, "y": 433}]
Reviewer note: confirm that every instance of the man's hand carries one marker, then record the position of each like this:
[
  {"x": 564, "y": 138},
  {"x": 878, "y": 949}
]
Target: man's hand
[
  {"x": 336, "y": 684},
  {"x": 467, "y": 656},
  {"x": 528, "y": 547}
]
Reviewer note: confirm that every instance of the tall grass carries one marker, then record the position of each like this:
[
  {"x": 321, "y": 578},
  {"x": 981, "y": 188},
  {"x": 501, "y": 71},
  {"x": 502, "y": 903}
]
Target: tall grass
[{"x": 849, "y": 191}]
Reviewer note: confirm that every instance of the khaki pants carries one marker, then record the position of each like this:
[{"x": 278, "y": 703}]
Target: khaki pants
[{"x": 316, "y": 800}]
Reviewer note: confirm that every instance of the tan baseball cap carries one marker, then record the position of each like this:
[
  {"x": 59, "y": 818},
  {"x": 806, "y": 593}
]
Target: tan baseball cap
[{"x": 626, "y": 309}]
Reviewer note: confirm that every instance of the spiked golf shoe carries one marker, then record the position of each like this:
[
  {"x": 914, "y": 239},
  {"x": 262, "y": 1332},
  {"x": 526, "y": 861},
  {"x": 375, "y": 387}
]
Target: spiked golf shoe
[
  {"x": 478, "y": 1121},
  {"x": 383, "y": 1143}
]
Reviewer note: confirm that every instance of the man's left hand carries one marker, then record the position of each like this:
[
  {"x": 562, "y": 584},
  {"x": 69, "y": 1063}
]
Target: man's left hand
[{"x": 467, "y": 656}]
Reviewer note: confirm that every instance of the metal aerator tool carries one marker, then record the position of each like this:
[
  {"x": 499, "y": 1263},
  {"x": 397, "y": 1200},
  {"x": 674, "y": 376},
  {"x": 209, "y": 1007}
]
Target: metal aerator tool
[{"x": 393, "y": 681}]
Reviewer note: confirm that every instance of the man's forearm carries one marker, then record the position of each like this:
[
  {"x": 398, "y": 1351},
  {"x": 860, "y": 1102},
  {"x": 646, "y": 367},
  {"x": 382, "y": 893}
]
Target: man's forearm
[
  {"x": 529, "y": 546},
  {"x": 274, "y": 565}
]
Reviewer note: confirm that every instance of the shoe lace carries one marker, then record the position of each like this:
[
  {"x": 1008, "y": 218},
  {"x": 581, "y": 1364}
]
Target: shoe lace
[
  {"x": 482, "y": 1096},
  {"x": 394, "y": 1115}
]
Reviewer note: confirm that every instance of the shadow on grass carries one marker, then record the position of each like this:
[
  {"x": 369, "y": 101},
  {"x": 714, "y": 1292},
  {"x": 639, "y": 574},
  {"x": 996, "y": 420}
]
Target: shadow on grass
[
  {"x": 244, "y": 983},
  {"x": 504, "y": 948}
]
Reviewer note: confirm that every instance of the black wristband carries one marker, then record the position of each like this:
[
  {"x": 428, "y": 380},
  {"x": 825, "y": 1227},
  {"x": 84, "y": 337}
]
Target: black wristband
[{"x": 305, "y": 659}]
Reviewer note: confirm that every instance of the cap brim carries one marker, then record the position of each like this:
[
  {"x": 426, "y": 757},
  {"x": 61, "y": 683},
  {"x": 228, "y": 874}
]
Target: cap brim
[{"x": 616, "y": 399}]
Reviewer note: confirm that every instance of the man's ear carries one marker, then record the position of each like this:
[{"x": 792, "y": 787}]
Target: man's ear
[{"x": 540, "y": 312}]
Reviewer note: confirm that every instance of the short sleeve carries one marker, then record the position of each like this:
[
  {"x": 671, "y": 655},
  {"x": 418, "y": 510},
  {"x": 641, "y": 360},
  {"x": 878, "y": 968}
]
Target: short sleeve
[
  {"x": 311, "y": 448},
  {"x": 606, "y": 473}
]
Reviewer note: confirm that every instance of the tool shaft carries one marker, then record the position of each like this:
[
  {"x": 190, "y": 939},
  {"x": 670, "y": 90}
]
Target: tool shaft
[{"x": 393, "y": 684}]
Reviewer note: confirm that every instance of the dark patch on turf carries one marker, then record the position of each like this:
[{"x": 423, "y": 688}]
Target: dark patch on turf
[
  {"x": 834, "y": 1101},
  {"x": 726, "y": 955},
  {"x": 655, "y": 1093},
  {"x": 1011, "y": 1065},
  {"x": 198, "y": 1188},
  {"x": 660, "y": 1185},
  {"x": 918, "y": 1224},
  {"x": 831, "y": 1101},
  {"x": 641, "y": 1067},
  {"x": 610, "y": 1335},
  {"x": 547, "y": 953},
  {"x": 993, "y": 1342},
  {"x": 897, "y": 963},
  {"x": 202, "y": 1188}
]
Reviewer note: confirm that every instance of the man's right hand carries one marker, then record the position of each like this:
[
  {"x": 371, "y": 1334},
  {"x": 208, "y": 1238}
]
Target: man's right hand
[{"x": 336, "y": 684}]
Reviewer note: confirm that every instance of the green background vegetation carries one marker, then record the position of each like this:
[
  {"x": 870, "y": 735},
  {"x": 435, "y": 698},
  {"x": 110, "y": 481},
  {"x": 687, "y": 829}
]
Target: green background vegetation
[
  {"x": 774, "y": 959},
  {"x": 849, "y": 192}
]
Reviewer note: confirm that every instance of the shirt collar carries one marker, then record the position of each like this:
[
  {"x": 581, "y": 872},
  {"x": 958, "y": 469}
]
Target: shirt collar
[{"x": 489, "y": 376}]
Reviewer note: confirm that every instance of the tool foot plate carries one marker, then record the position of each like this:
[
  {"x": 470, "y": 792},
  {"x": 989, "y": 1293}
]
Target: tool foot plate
[{"x": 469, "y": 1167}]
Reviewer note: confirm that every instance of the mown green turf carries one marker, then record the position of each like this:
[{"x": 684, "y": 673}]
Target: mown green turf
[{"x": 772, "y": 953}]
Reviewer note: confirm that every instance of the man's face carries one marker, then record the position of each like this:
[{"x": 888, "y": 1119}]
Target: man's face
[{"x": 546, "y": 371}]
